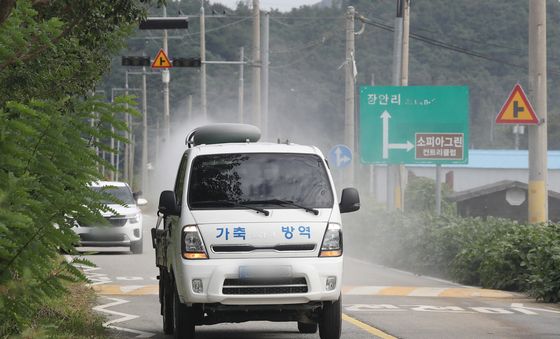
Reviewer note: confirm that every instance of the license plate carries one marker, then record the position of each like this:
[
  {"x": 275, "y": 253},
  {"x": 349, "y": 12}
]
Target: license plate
[{"x": 252, "y": 272}]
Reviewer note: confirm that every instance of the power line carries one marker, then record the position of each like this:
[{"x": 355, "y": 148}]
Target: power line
[
  {"x": 445, "y": 45},
  {"x": 480, "y": 42}
]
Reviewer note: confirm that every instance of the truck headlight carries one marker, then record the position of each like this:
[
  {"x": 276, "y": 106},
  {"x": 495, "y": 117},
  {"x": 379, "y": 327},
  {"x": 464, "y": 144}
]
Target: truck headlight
[
  {"x": 192, "y": 244},
  {"x": 332, "y": 242}
]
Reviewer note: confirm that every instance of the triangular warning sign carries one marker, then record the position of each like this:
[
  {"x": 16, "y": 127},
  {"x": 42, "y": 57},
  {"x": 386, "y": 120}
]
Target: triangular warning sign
[
  {"x": 517, "y": 109},
  {"x": 161, "y": 60}
]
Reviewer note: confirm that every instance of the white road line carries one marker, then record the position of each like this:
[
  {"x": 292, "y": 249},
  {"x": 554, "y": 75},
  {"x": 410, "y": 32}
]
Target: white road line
[
  {"x": 124, "y": 317},
  {"x": 95, "y": 278}
]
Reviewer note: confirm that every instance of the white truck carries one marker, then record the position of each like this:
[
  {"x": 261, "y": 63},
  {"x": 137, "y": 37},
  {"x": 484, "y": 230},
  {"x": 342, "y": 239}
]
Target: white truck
[{"x": 251, "y": 231}]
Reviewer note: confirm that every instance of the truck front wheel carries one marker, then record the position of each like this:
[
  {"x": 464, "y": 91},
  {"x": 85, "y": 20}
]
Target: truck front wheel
[
  {"x": 330, "y": 322},
  {"x": 183, "y": 319},
  {"x": 166, "y": 296}
]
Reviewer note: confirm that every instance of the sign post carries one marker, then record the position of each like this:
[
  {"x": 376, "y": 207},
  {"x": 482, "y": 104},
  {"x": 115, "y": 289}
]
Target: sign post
[{"x": 414, "y": 124}]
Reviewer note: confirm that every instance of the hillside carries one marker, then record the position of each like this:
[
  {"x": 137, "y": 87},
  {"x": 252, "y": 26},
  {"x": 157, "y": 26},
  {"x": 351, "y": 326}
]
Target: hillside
[{"x": 307, "y": 49}]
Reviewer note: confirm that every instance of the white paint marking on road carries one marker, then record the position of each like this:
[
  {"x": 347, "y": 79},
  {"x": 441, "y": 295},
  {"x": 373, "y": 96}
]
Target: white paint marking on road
[
  {"x": 370, "y": 308},
  {"x": 124, "y": 317},
  {"x": 129, "y": 278},
  {"x": 440, "y": 309},
  {"x": 426, "y": 292},
  {"x": 95, "y": 278},
  {"x": 517, "y": 306},
  {"x": 491, "y": 310}
]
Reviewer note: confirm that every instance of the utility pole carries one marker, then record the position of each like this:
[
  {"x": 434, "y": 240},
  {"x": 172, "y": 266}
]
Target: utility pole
[
  {"x": 126, "y": 133},
  {"x": 189, "y": 107},
  {"x": 349, "y": 90},
  {"x": 538, "y": 168},
  {"x": 372, "y": 175},
  {"x": 144, "y": 169},
  {"x": 404, "y": 82},
  {"x": 165, "y": 77},
  {"x": 256, "y": 63},
  {"x": 393, "y": 171},
  {"x": 264, "y": 59},
  {"x": 204, "y": 109},
  {"x": 241, "y": 85}
]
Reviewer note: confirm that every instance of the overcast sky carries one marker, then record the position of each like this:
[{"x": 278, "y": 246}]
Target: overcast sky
[{"x": 283, "y": 5}]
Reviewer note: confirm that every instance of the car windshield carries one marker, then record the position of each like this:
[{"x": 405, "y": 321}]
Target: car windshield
[
  {"x": 259, "y": 179},
  {"x": 122, "y": 193}
]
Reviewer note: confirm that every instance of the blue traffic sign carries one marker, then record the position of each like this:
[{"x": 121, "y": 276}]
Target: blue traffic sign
[{"x": 340, "y": 156}]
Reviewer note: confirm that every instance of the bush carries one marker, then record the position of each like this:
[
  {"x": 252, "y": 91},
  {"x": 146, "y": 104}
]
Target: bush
[{"x": 492, "y": 253}]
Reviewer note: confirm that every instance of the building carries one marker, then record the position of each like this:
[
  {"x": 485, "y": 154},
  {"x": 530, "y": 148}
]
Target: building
[
  {"x": 485, "y": 167},
  {"x": 504, "y": 199}
]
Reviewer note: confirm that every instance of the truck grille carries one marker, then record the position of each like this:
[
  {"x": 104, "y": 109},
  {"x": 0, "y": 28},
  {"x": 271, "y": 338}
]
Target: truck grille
[{"x": 265, "y": 286}]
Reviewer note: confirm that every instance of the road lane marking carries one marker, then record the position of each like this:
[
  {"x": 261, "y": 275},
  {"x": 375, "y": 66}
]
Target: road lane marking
[
  {"x": 123, "y": 317},
  {"x": 527, "y": 310},
  {"x": 366, "y": 327},
  {"x": 514, "y": 309},
  {"x": 126, "y": 289},
  {"x": 416, "y": 291},
  {"x": 396, "y": 290},
  {"x": 94, "y": 278},
  {"x": 104, "y": 287},
  {"x": 426, "y": 292}
]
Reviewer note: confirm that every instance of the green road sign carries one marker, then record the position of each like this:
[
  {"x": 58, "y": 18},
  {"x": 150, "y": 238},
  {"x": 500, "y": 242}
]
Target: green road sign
[{"x": 414, "y": 124}]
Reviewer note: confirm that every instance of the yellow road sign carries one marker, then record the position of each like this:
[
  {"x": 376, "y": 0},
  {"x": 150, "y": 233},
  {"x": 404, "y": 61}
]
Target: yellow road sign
[
  {"x": 517, "y": 109},
  {"x": 161, "y": 60}
]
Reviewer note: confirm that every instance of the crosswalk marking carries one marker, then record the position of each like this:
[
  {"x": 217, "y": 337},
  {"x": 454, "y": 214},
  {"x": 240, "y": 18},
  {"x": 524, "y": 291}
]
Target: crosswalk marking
[{"x": 404, "y": 291}]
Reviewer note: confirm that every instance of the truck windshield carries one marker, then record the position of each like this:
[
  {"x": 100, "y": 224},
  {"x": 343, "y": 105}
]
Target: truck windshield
[
  {"x": 121, "y": 193},
  {"x": 259, "y": 179}
]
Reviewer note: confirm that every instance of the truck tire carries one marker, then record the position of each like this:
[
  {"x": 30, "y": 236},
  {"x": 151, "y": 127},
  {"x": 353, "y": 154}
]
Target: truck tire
[
  {"x": 183, "y": 319},
  {"x": 136, "y": 247},
  {"x": 166, "y": 291},
  {"x": 306, "y": 328},
  {"x": 330, "y": 321}
]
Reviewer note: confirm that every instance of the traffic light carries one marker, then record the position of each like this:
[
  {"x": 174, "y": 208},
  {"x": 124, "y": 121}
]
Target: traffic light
[
  {"x": 187, "y": 62},
  {"x": 135, "y": 61},
  {"x": 165, "y": 23}
]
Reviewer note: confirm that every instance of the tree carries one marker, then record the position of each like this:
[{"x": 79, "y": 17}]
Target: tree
[{"x": 52, "y": 53}]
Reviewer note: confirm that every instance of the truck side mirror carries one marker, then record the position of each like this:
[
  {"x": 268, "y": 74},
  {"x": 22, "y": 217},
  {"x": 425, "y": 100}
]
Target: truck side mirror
[
  {"x": 350, "y": 200},
  {"x": 168, "y": 204}
]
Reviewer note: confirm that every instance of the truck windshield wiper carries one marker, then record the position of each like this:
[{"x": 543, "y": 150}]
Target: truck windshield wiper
[
  {"x": 231, "y": 203},
  {"x": 283, "y": 202}
]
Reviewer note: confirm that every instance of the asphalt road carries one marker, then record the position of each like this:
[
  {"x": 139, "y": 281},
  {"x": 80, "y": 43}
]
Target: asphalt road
[{"x": 378, "y": 302}]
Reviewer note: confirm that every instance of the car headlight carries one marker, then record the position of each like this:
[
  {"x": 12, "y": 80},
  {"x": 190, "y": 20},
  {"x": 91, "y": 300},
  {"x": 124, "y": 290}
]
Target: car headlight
[
  {"x": 332, "y": 242},
  {"x": 192, "y": 244}
]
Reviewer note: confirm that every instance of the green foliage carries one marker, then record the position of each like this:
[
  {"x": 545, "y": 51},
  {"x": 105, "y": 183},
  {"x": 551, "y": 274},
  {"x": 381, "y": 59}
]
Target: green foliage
[
  {"x": 493, "y": 253},
  {"x": 420, "y": 196},
  {"x": 68, "y": 317},
  {"x": 51, "y": 55}
]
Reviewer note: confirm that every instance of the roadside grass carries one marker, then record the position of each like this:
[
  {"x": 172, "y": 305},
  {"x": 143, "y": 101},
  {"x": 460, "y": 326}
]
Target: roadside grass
[{"x": 70, "y": 316}]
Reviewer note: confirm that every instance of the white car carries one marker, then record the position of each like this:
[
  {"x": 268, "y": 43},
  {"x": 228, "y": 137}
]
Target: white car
[
  {"x": 251, "y": 231},
  {"x": 124, "y": 228}
]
